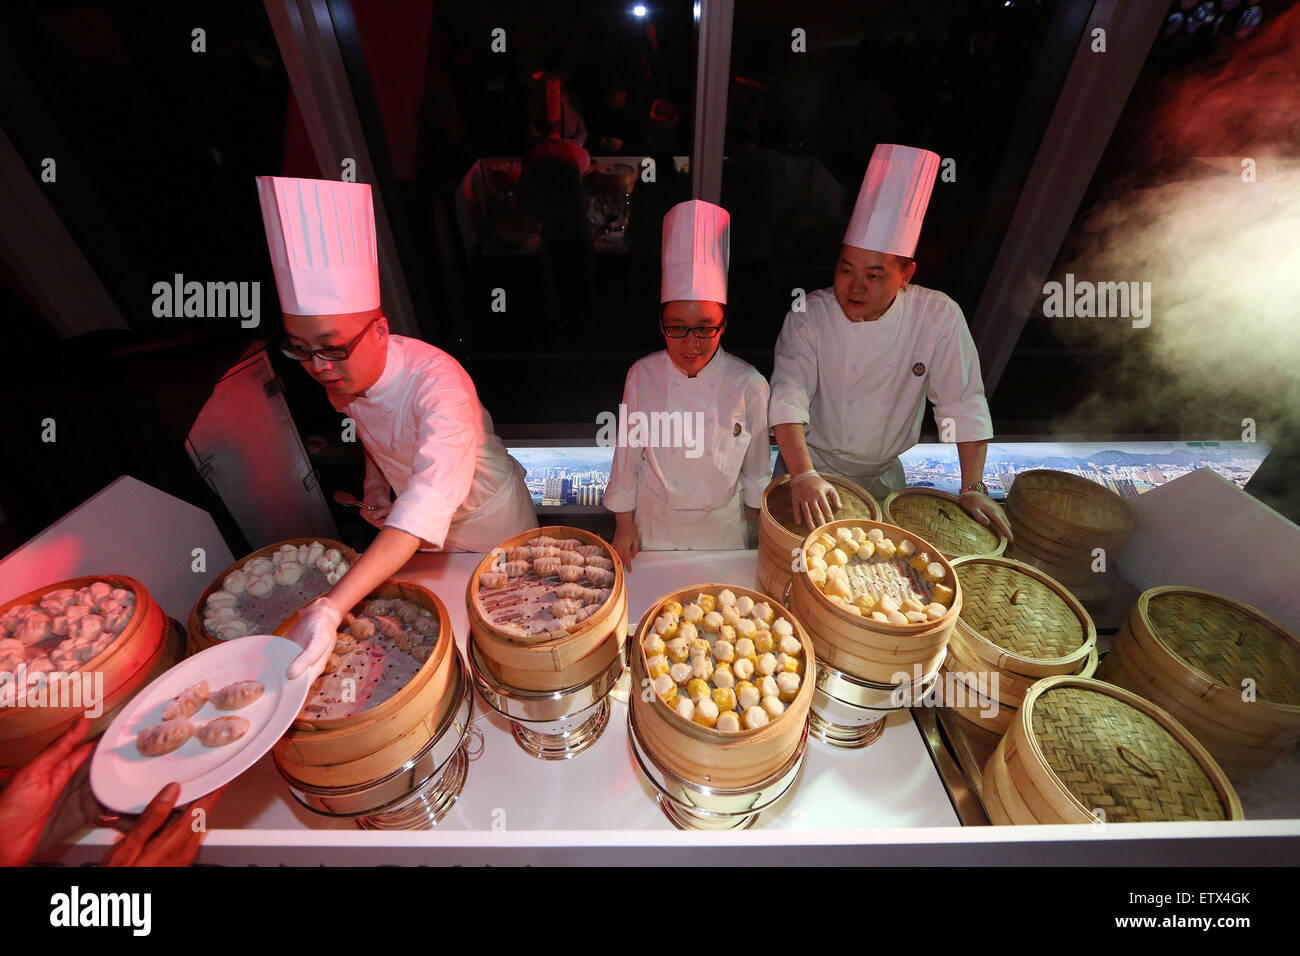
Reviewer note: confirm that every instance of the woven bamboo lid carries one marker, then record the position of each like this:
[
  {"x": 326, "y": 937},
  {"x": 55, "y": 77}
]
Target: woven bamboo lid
[
  {"x": 1114, "y": 751},
  {"x": 1055, "y": 499},
  {"x": 1225, "y": 640},
  {"x": 939, "y": 518},
  {"x": 854, "y": 503},
  {"x": 1017, "y": 618}
]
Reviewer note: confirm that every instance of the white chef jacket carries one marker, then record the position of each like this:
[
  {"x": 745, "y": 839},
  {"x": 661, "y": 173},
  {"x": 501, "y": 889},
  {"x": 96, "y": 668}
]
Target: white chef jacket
[
  {"x": 685, "y": 503},
  {"x": 428, "y": 438},
  {"x": 860, "y": 387}
]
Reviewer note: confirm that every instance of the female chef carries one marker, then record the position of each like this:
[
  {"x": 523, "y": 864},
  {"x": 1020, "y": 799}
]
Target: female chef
[
  {"x": 853, "y": 368},
  {"x": 694, "y": 476},
  {"x": 426, "y": 436}
]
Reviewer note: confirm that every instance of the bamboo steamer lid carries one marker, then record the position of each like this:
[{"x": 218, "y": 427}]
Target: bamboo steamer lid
[
  {"x": 1084, "y": 745},
  {"x": 939, "y": 518},
  {"x": 1069, "y": 509},
  {"x": 1224, "y": 641},
  {"x": 1015, "y": 617}
]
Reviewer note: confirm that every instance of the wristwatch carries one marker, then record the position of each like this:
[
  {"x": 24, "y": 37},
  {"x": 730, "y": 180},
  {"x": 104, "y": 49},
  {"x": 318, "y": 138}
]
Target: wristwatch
[{"x": 978, "y": 488}]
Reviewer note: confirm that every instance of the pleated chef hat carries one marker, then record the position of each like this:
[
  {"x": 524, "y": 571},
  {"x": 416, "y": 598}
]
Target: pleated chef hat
[
  {"x": 697, "y": 245},
  {"x": 321, "y": 235},
  {"x": 891, "y": 204}
]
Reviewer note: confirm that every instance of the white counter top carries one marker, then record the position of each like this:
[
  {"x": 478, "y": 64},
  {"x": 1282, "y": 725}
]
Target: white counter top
[{"x": 515, "y": 808}]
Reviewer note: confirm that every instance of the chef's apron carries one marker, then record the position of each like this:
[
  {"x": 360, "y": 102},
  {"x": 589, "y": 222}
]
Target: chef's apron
[
  {"x": 664, "y": 528},
  {"x": 502, "y": 516},
  {"x": 879, "y": 482}
]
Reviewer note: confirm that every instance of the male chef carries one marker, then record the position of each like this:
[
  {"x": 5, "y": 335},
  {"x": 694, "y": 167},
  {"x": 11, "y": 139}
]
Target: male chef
[
  {"x": 853, "y": 368},
  {"x": 696, "y": 486},
  {"x": 426, "y": 436}
]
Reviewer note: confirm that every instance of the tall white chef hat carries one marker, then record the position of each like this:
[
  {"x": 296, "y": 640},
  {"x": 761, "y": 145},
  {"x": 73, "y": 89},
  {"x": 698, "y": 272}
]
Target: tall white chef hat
[
  {"x": 891, "y": 204},
  {"x": 697, "y": 245},
  {"x": 321, "y": 235}
]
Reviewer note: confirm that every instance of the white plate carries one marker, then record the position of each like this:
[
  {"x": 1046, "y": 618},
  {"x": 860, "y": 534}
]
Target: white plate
[{"x": 125, "y": 780}]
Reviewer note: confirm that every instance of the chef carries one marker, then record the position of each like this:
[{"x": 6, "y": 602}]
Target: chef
[
  {"x": 855, "y": 365},
  {"x": 691, "y": 472},
  {"x": 427, "y": 439}
]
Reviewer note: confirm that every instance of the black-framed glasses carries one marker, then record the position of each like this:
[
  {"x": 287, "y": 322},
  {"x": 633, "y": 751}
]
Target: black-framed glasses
[
  {"x": 332, "y": 353},
  {"x": 704, "y": 332}
]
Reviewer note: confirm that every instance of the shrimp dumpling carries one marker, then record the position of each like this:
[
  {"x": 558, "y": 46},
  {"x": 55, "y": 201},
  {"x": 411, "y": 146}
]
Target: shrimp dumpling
[
  {"x": 187, "y": 702},
  {"x": 237, "y": 695}
]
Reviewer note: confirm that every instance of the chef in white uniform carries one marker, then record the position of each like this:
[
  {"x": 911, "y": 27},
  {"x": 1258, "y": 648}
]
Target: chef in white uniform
[
  {"x": 427, "y": 439},
  {"x": 855, "y": 365},
  {"x": 699, "y": 491}
]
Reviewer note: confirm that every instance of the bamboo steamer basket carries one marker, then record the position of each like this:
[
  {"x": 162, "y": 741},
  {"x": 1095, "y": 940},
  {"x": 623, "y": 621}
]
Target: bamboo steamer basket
[
  {"x": 354, "y": 750},
  {"x": 198, "y": 638},
  {"x": 870, "y": 650},
  {"x": 1189, "y": 651},
  {"x": 990, "y": 685},
  {"x": 778, "y": 535},
  {"x": 706, "y": 756},
  {"x": 144, "y": 648},
  {"x": 991, "y": 797},
  {"x": 549, "y": 663},
  {"x": 1073, "y": 511},
  {"x": 1018, "y": 619},
  {"x": 939, "y": 518},
  {"x": 1081, "y": 750}
]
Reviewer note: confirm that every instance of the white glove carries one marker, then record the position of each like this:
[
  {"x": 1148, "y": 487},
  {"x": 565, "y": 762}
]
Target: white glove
[
  {"x": 315, "y": 631},
  {"x": 815, "y": 499}
]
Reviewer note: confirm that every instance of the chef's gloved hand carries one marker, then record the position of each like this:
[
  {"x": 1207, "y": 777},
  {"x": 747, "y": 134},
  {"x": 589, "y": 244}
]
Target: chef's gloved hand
[
  {"x": 315, "y": 631},
  {"x": 814, "y": 498}
]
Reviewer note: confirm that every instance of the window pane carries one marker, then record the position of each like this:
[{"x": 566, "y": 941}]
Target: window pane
[{"x": 532, "y": 264}]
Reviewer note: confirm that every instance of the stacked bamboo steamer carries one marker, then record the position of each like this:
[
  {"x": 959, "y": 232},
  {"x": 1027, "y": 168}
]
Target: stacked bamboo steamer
[
  {"x": 546, "y": 662},
  {"x": 350, "y": 752},
  {"x": 705, "y": 756},
  {"x": 1082, "y": 751},
  {"x": 868, "y": 650},
  {"x": 1228, "y": 672},
  {"x": 1059, "y": 519},
  {"x": 197, "y": 639},
  {"x": 939, "y": 518},
  {"x": 1017, "y": 626},
  {"x": 779, "y": 535},
  {"x": 146, "y": 647}
]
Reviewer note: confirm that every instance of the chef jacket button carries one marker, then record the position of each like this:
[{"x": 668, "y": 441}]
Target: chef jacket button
[{"x": 388, "y": 408}]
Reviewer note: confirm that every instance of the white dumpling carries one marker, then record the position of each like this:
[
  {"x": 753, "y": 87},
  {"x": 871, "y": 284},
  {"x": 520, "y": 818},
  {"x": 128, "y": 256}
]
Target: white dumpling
[
  {"x": 259, "y": 566},
  {"x": 333, "y": 577},
  {"x": 221, "y": 599},
  {"x": 261, "y": 585},
  {"x": 315, "y": 550},
  {"x": 288, "y": 573},
  {"x": 229, "y": 630},
  {"x": 236, "y": 582}
]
